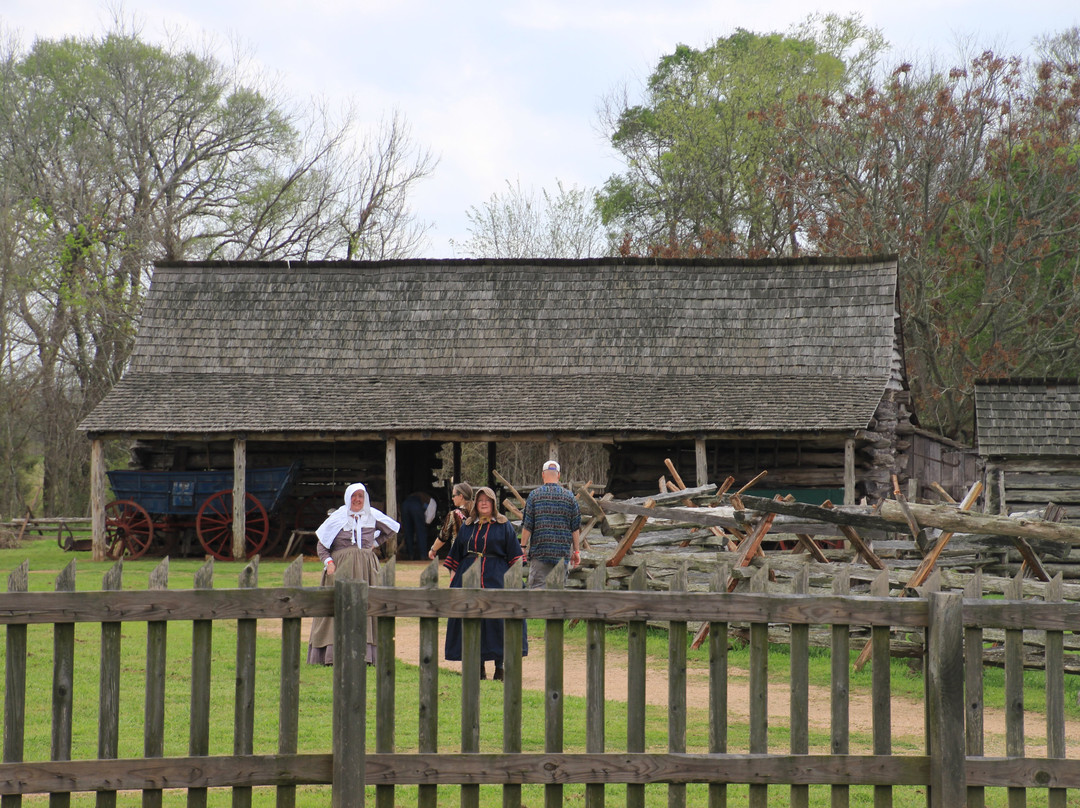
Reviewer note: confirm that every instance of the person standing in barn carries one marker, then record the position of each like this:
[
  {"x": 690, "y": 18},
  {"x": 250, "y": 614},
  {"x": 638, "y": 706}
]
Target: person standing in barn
[
  {"x": 346, "y": 545},
  {"x": 417, "y": 512},
  {"x": 550, "y": 527}
]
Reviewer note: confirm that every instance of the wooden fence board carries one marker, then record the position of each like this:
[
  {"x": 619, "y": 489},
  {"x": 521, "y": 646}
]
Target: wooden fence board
[
  {"x": 15, "y": 683},
  {"x": 636, "y": 656},
  {"x": 595, "y": 668},
  {"x": 63, "y": 686},
  {"x": 427, "y": 796},
  {"x": 154, "y": 709},
  {"x": 109, "y": 686},
  {"x": 289, "y": 686},
  {"x": 202, "y": 642}
]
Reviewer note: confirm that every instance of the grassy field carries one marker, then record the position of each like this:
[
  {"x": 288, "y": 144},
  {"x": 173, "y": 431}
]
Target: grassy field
[{"x": 47, "y": 560}]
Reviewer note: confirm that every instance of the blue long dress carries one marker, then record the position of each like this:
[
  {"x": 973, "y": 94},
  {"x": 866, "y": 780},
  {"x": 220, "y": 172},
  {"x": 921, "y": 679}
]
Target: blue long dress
[{"x": 495, "y": 545}]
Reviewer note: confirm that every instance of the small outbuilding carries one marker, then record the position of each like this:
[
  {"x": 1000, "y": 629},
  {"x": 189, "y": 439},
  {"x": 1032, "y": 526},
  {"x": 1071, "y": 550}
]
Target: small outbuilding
[
  {"x": 1028, "y": 437},
  {"x": 365, "y": 370}
]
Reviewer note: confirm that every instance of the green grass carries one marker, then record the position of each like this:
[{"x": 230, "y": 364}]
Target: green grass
[{"x": 47, "y": 560}]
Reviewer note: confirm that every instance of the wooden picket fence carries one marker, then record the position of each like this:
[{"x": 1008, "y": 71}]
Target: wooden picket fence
[{"x": 952, "y": 767}]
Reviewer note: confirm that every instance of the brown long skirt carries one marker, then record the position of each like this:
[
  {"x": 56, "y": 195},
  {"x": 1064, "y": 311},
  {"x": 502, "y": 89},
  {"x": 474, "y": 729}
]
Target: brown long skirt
[{"x": 351, "y": 563}]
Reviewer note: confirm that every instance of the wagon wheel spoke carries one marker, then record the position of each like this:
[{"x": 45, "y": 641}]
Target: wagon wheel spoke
[
  {"x": 213, "y": 525},
  {"x": 128, "y": 529}
]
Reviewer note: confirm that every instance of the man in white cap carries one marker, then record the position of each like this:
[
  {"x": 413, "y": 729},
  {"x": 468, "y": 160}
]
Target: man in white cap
[{"x": 550, "y": 527}]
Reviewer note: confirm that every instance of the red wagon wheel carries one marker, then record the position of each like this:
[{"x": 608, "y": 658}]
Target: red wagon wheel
[
  {"x": 213, "y": 525},
  {"x": 128, "y": 529}
]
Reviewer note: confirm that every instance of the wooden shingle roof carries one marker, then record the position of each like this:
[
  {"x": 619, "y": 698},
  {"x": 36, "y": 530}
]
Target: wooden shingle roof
[
  {"x": 509, "y": 346},
  {"x": 1022, "y": 418}
]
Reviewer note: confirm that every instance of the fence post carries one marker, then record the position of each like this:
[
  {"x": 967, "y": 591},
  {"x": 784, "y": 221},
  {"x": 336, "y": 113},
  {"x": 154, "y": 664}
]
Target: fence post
[
  {"x": 945, "y": 679},
  {"x": 350, "y": 692}
]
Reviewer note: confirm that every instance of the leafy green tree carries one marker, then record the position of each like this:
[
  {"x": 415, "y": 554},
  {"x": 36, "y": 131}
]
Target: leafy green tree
[
  {"x": 115, "y": 153},
  {"x": 707, "y": 171}
]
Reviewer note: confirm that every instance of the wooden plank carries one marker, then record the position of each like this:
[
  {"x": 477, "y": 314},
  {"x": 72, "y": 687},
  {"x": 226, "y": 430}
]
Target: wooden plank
[
  {"x": 385, "y": 685},
  {"x": 15, "y": 684},
  {"x": 239, "y": 499},
  {"x": 840, "y": 689},
  {"x": 429, "y": 650},
  {"x": 759, "y": 696},
  {"x": 1055, "y": 695},
  {"x": 861, "y": 547},
  {"x": 973, "y": 691},
  {"x": 470, "y": 684},
  {"x": 109, "y": 686},
  {"x": 554, "y": 694},
  {"x": 350, "y": 693},
  {"x": 154, "y": 710},
  {"x": 881, "y": 691},
  {"x": 513, "y": 694},
  {"x": 244, "y": 704},
  {"x": 390, "y": 463},
  {"x": 628, "y": 538},
  {"x": 701, "y": 462},
  {"x": 1014, "y": 695},
  {"x": 799, "y": 699},
  {"x": 595, "y": 664},
  {"x": 676, "y": 700},
  {"x": 202, "y": 635},
  {"x": 498, "y": 769},
  {"x": 63, "y": 686},
  {"x": 289, "y": 686},
  {"x": 945, "y": 662},
  {"x": 508, "y": 486},
  {"x": 636, "y": 665},
  {"x": 718, "y": 687},
  {"x": 97, "y": 499}
]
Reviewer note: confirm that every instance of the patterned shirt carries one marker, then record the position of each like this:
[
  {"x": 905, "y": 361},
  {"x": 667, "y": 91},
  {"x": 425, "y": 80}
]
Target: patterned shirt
[{"x": 551, "y": 515}]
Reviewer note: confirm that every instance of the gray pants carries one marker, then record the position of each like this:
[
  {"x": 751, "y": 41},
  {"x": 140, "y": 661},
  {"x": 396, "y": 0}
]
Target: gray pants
[{"x": 540, "y": 570}]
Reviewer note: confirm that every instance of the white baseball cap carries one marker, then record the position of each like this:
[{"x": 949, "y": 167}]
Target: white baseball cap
[{"x": 552, "y": 465}]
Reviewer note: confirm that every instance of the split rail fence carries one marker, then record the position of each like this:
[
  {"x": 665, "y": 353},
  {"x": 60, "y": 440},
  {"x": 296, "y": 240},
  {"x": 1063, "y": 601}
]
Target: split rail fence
[{"x": 952, "y": 765}]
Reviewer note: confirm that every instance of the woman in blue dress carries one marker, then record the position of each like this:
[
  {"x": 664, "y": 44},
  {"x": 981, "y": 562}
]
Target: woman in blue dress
[{"x": 487, "y": 538}]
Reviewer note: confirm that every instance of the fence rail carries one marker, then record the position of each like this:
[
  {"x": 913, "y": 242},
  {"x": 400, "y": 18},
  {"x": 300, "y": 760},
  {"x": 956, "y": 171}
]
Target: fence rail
[{"x": 952, "y": 765}]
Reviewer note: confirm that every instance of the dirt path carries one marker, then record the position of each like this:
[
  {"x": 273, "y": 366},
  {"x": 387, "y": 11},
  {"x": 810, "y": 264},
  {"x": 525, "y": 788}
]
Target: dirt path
[{"x": 907, "y": 714}]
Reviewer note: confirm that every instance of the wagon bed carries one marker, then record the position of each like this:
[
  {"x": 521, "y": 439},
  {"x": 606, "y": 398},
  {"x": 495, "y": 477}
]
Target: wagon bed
[{"x": 160, "y": 500}]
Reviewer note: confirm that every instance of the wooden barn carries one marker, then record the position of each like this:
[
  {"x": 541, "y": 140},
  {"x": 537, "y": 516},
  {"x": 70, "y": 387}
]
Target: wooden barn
[
  {"x": 365, "y": 370},
  {"x": 1028, "y": 434}
]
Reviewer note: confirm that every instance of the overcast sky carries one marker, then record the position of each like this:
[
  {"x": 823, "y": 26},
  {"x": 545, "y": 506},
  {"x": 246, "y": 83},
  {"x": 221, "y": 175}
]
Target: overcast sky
[{"x": 504, "y": 90}]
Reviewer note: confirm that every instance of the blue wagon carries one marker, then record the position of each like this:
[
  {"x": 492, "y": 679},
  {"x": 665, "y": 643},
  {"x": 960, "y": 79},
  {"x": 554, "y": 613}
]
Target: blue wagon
[{"x": 161, "y": 502}]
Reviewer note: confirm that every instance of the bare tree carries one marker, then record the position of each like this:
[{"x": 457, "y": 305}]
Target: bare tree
[
  {"x": 114, "y": 154},
  {"x": 523, "y": 224}
]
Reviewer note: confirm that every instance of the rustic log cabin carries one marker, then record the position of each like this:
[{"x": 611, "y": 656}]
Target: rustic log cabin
[
  {"x": 1028, "y": 437},
  {"x": 365, "y": 370}
]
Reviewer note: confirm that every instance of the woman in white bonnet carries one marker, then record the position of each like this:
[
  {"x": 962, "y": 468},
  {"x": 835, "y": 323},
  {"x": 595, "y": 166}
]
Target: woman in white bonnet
[{"x": 347, "y": 542}]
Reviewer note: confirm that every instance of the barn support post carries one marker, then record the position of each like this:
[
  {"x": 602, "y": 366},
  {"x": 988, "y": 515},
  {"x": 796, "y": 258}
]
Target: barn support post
[
  {"x": 239, "y": 497},
  {"x": 553, "y": 450},
  {"x": 457, "y": 461},
  {"x": 491, "y": 464},
  {"x": 849, "y": 471},
  {"x": 391, "y": 478},
  {"x": 701, "y": 463},
  {"x": 97, "y": 499}
]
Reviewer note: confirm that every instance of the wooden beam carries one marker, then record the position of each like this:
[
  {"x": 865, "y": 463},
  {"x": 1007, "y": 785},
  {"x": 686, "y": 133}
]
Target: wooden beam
[
  {"x": 97, "y": 500},
  {"x": 701, "y": 462},
  {"x": 628, "y": 539},
  {"x": 391, "y": 479},
  {"x": 239, "y": 503},
  {"x": 849, "y": 471},
  {"x": 508, "y": 486}
]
